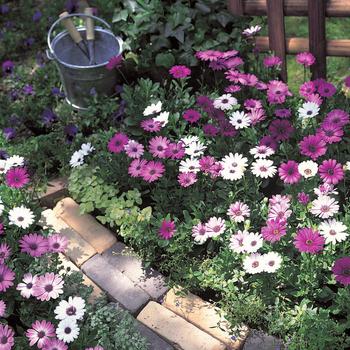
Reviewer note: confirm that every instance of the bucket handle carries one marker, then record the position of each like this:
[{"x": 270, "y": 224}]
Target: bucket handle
[{"x": 50, "y": 54}]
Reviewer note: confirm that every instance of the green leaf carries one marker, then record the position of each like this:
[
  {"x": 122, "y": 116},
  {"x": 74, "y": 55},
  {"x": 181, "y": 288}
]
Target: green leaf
[
  {"x": 165, "y": 59},
  {"x": 120, "y": 15}
]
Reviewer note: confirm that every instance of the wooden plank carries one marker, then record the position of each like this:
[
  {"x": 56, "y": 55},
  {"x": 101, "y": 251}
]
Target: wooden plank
[
  {"x": 339, "y": 48},
  {"x": 335, "y": 8},
  {"x": 235, "y": 7},
  {"x": 277, "y": 35},
  {"x": 317, "y": 37}
]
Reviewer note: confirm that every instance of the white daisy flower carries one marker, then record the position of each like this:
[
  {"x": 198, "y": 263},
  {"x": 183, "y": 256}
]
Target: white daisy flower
[
  {"x": 240, "y": 120},
  {"x": 253, "y": 242},
  {"x": 77, "y": 159},
  {"x": 333, "y": 231},
  {"x": 195, "y": 149},
  {"x": 21, "y": 217},
  {"x": 2, "y": 166},
  {"x": 215, "y": 226},
  {"x": 261, "y": 152},
  {"x": 233, "y": 166},
  {"x": 162, "y": 118},
  {"x": 263, "y": 168},
  {"x": 347, "y": 166},
  {"x": 153, "y": 108},
  {"x": 272, "y": 262},
  {"x": 86, "y": 148},
  {"x": 199, "y": 233},
  {"x": 73, "y": 309},
  {"x": 308, "y": 168},
  {"x": 251, "y": 30},
  {"x": 188, "y": 140},
  {"x": 324, "y": 207},
  {"x": 308, "y": 110},
  {"x": 14, "y": 161},
  {"x": 225, "y": 102},
  {"x": 27, "y": 284},
  {"x": 253, "y": 263},
  {"x": 238, "y": 241},
  {"x": 67, "y": 330},
  {"x": 325, "y": 189},
  {"x": 189, "y": 166}
]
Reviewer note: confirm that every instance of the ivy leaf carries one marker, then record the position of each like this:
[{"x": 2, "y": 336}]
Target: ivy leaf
[{"x": 165, "y": 59}]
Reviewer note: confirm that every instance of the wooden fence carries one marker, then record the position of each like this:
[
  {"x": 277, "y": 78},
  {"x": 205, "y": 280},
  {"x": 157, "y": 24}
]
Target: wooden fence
[{"x": 317, "y": 44}]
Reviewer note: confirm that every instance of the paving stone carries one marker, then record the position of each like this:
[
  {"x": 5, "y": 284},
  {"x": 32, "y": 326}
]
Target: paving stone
[
  {"x": 56, "y": 189},
  {"x": 126, "y": 260},
  {"x": 78, "y": 249},
  {"x": 96, "y": 292},
  {"x": 86, "y": 225},
  {"x": 120, "y": 288},
  {"x": 176, "y": 330},
  {"x": 260, "y": 341},
  {"x": 206, "y": 317}
]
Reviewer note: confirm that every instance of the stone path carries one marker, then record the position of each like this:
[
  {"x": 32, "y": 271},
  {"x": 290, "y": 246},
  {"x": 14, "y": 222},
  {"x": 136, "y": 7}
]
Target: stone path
[{"x": 168, "y": 320}]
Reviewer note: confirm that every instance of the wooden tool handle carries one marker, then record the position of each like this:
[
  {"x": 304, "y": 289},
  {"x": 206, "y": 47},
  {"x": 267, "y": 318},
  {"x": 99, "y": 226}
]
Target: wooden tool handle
[
  {"x": 69, "y": 25},
  {"x": 90, "y": 33}
]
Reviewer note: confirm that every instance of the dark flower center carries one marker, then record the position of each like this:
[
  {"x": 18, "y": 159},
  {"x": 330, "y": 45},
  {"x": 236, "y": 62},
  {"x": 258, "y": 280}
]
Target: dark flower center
[
  {"x": 4, "y": 339},
  {"x": 309, "y": 112},
  {"x": 216, "y": 228},
  {"x": 330, "y": 171},
  {"x": 255, "y": 264},
  {"x": 152, "y": 172},
  {"x": 20, "y": 218},
  {"x": 271, "y": 263},
  {"x": 225, "y": 100},
  {"x": 309, "y": 242},
  {"x": 56, "y": 245},
  {"x": 41, "y": 334},
  {"x": 33, "y": 246},
  {"x": 324, "y": 208},
  {"x": 67, "y": 330},
  {"x": 29, "y": 285},
  {"x": 346, "y": 272},
  {"x": 48, "y": 288},
  {"x": 332, "y": 232},
  {"x": 312, "y": 148},
  {"x": 160, "y": 148},
  {"x": 253, "y": 244},
  {"x": 71, "y": 311}
]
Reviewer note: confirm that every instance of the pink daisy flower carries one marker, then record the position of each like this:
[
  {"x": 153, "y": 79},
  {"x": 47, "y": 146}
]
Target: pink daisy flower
[
  {"x": 40, "y": 333},
  {"x": 17, "y": 177},
  {"x": 210, "y": 130},
  {"x": 175, "y": 150},
  {"x": 238, "y": 211},
  {"x": 232, "y": 63},
  {"x": 215, "y": 226},
  {"x": 279, "y": 212},
  {"x": 313, "y": 146},
  {"x": 34, "y": 244},
  {"x": 55, "y": 344},
  {"x": 26, "y": 287},
  {"x": 199, "y": 233},
  {"x": 180, "y": 72},
  {"x": 6, "y": 278},
  {"x": 274, "y": 230},
  {"x": 114, "y": 62},
  {"x": 151, "y": 125},
  {"x": 330, "y": 133},
  {"x": 187, "y": 179},
  {"x": 331, "y": 172},
  {"x": 256, "y": 115},
  {"x": 341, "y": 270},
  {"x": 48, "y": 286},
  {"x": 315, "y": 98},
  {"x": 134, "y": 149},
  {"x": 303, "y": 198},
  {"x": 152, "y": 171},
  {"x": 158, "y": 145},
  {"x": 277, "y": 91},
  {"x": 167, "y": 229},
  {"x": 272, "y": 61},
  {"x": 232, "y": 88},
  {"x": 308, "y": 240},
  {"x": 307, "y": 89},
  {"x": 252, "y": 104},
  {"x": 208, "y": 55},
  {"x": 289, "y": 173},
  {"x": 283, "y": 112},
  {"x": 337, "y": 117},
  {"x": 191, "y": 115},
  {"x": 57, "y": 243},
  {"x": 7, "y": 337},
  {"x": 268, "y": 141},
  {"x": 280, "y": 199},
  {"x": 326, "y": 89},
  {"x": 281, "y": 129},
  {"x": 306, "y": 59},
  {"x": 206, "y": 163},
  {"x": 117, "y": 142},
  {"x": 2, "y": 308},
  {"x": 136, "y": 167},
  {"x": 5, "y": 252}
]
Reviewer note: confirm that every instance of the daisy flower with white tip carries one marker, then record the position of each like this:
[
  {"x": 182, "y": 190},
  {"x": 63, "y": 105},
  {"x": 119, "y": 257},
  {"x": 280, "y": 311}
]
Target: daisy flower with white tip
[
  {"x": 307, "y": 168},
  {"x": 67, "y": 330},
  {"x": 21, "y": 216},
  {"x": 263, "y": 168},
  {"x": 195, "y": 149},
  {"x": 333, "y": 231},
  {"x": 272, "y": 262},
  {"x": 253, "y": 242},
  {"x": 308, "y": 110},
  {"x": 240, "y": 120},
  {"x": 251, "y": 30},
  {"x": 253, "y": 263},
  {"x": 73, "y": 309},
  {"x": 324, "y": 207},
  {"x": 189, "y": 166},
  {"x": 154, "y": 108},
  {"x": 225, "y": 102},
  {"x": 77, "y": 159},
  {"x": 261, "y": 151}
]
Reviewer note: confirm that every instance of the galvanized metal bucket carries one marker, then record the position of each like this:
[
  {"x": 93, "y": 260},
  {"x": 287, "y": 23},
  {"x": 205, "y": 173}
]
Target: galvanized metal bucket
[{"x": 79, "y": 79}]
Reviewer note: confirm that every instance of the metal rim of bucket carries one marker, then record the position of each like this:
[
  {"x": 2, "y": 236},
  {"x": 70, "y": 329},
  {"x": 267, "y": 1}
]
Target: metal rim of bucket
[{"x": 51, "y": 54}]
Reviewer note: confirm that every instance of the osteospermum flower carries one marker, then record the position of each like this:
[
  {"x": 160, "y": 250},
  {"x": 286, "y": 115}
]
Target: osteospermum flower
[
  {"x": 117, "y": 143},
  {"x": 154, "y": 108},
  {"x": 67, "y": 330},
  {"x": 225, "y": 102},
  {"x": 341, "y": 270},
  {"x": 274, "y": 230},
  {"x": 167, "y": 229},
  {"x": 331, "y": 172},
  {"x": 253, "y": 242},
  {"x": 261, "y": 152},
  {"x": 48, "y": 286},
  {"x": 208, "y": 55},
  {"x": 288, "y": 172},
  {"x": 55, "y": 344},
  {"x": 272, "y": 61},
  {"x": 269, "y": 141},
  {"x": 263, "y": 168},
  {"x": 5, "y": 252},
  {"x": 281, "y": 129},
  {"x": 195, "y": 149},
  {"x": 136, "y": 167},
  {"x": 215, "y": 226},
  {"x": 7, "y": 337},
  {"x": 57, "y": 243},
  {"x": 337, "y": 117},
  {"x": 238, "y": 241},
  {"x": 187, "y": 179},
  {"x": 189, "y": 166},
  {"x": 175, "y": 150},
  {"x": 2, "y": 308},
  {"x": 162, "y": 118},
  {"x": 272, "y": 262},
  {"x": 283, "y": 112},
  {"x": 34, "y": 244},
  {"x": 313, "y": 146},
  {"x": 251, "y": 30},
  {"x": 240, "y": 120},
  {"x": 86, "y": 148},
  {"x": 158, "y": 145},
  {"x": 40, "y": 333},
  {"x": 325, "y": 189},
  {"x": 308, "y": 240},
  {"x": 253, "y": 263},
  {"x": 233, "y": 166},
  {"x": 307, "y": 89},
  {"x": 330, "y": 133},
  {"x": 180, "y": 72},
  {"x": 308, "y": 110},
  {"x": 303, "y": 198},
  {"x": 238, "y": 211},
  {"x": 6, "y": 278},
  {"x": 308, "y": 168},
  {"x": 151, "y": 125},
  {"x": 306, "y": 59},
  {"x": 279, "y": 211},
  {"x": 199, "y": 233},
  {"x": 134, "y": 149},
  {"x": 326, "y": 89},
  {"x": 191, "y": 115},
  {"x": 333, "y": 231},
  {"x": 152, "y": 171},
  {"x": 26, "y": 287},
  {"x": 77, "y": 159},
  {"x": 21, "y": 217},
  {"x": 73, "y": 309},
  {"x": 17, "y": 177}
]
